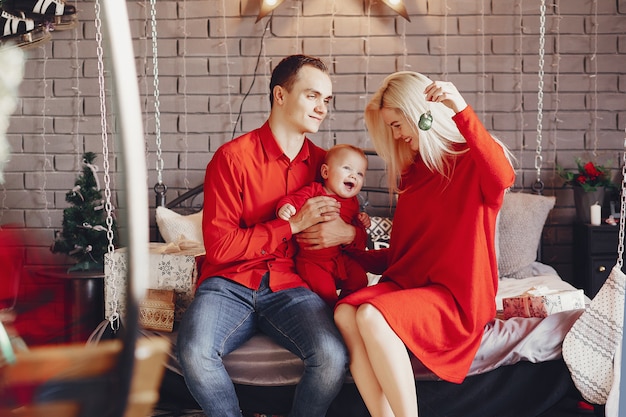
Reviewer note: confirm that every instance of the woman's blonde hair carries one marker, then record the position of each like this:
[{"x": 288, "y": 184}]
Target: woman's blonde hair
[{"x": 404, "y": 91}]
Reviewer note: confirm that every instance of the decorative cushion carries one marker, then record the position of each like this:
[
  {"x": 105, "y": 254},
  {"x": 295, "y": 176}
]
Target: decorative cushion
[
  {"x": 379, "y": 232},
  {"x": 520, "y": 225},
  {"x": 175, "y": 227}
]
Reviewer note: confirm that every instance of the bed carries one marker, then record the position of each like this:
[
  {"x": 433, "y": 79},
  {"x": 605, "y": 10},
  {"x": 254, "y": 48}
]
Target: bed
[{"x": 518, "y": 370}]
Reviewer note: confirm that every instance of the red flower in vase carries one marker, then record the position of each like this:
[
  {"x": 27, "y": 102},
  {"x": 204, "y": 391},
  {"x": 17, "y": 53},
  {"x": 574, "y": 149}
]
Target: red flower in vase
[{"x": 589, "y": 176}]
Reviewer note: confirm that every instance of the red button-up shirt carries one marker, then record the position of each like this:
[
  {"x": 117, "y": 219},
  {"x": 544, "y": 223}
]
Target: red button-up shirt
[{"x": 243, "y": 182}]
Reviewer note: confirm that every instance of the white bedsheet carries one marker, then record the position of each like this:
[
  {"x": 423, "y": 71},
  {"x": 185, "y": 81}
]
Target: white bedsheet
[
  {"x": 544, "y": 275},
  {"x": 506, "y": 342}
]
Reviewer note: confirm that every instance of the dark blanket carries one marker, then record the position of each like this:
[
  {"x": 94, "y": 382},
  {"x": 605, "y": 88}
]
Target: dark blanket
[{"x": 521, "y": 390}]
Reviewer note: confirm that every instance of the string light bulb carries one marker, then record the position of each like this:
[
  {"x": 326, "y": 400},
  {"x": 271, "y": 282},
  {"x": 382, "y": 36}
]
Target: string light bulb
[
  {"x": 398, "y": 7},
  {"x": 266, "y": 7}
]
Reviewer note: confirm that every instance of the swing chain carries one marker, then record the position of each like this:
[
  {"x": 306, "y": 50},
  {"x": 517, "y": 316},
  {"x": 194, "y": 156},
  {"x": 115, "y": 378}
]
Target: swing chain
[
  {"x": 157, "y": 103},
  {"x": 622, "y": 211},
  {"x": 105, "y": 151},
  {"x": 103, "y": 126},
  {"x": 538, "y": 186}
]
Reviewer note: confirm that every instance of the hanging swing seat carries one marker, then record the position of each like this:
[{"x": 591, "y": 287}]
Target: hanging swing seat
[{"x": 518, "y": 349}]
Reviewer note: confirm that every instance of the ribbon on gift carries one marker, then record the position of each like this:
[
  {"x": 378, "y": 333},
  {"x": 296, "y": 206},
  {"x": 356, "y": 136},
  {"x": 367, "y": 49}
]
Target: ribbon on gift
[{"x": 180, "y": 246}]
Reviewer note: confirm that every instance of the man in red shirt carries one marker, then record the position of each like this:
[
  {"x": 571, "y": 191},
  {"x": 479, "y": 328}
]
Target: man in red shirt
[{"x": 248, "y": 281}]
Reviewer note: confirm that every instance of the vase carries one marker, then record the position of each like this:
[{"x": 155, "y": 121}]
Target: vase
[{"x": 583, "y": 200}]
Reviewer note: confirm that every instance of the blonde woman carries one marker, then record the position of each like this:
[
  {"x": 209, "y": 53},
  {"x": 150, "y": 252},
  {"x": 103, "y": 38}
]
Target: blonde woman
[{"x": 439, "y": 274}]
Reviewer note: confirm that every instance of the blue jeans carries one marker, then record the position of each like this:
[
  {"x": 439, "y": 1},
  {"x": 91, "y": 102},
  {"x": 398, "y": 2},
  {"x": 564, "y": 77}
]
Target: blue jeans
[{"x": 224, "y": 314}]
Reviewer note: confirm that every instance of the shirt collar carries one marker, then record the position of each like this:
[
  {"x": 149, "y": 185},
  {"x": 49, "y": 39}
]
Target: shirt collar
[{"x": 274, "y": 151}]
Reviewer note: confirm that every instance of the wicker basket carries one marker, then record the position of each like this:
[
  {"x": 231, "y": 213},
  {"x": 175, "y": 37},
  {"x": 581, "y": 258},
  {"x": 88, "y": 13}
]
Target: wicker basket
[{"x": 156, "y": 311}]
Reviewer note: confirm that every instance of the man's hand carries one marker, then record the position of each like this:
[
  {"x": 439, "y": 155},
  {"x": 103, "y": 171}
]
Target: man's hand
[
  {"x": 314, "y": 211},
  {"x": 324, "y": 235}
]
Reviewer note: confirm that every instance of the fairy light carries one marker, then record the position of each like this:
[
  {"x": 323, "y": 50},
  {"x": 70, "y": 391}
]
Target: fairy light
[
  {"x": 520, "y": 81},
  {"x": 482, "y": 60},
  {"x": 557, "y": 72},
  {"x": 44, "y": 133},
  {"x": 267, "y": 65},
  {"x": 144, "y": 75},
  {"x": 367, "y": 64},
  {"x": 331, "y": 138},
  {"x": 3, "y": 203},
  {"x": 594, "y": 77},
  {"x": 185, "y": 160},
  {"x": 298, "y": 8},
  {"x": 446, "y": 13},
  {"x": 229, "y": 86},
  {"x": 405, "y": 51},
  {"x": 77, "y": 93}
]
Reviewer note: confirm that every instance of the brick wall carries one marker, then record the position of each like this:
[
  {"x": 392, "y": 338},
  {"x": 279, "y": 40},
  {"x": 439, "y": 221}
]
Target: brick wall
[{"x": 214, "y": 64}]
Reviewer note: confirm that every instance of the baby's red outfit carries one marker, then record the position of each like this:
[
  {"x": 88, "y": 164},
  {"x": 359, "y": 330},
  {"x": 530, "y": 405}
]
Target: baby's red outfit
[{"x": 326, "y": 270}]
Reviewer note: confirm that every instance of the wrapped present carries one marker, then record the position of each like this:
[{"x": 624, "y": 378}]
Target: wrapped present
[
  {"x": 156, "y": 310},
  {"x": 170, "y": 268},
  {"x": 541, "y": 302}
]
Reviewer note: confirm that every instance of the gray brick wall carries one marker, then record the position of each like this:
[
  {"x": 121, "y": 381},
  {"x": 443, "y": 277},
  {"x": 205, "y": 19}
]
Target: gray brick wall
[{"x": 207, "y": 53}]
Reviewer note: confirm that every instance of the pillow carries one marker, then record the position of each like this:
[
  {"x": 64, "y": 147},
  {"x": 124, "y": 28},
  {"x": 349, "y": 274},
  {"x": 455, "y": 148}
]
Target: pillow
[
  {"x": 175, "y": 227},
  {"x": 378, "y": 233},
  {"x": 518, "y": 231}
]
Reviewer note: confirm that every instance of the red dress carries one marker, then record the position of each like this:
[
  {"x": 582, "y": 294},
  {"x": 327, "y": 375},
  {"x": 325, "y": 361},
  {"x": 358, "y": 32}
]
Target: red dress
[
  {"x": 440, "y": 272},
  {"x": 329, "y": 269}
]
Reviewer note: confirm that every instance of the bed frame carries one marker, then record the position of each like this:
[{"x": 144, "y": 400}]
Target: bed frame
[{"x": 543, "y": 389}]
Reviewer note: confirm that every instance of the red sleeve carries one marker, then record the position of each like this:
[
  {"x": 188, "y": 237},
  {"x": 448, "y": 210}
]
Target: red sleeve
[
  {"x": 360, "y": 238},
  {"x": 225, "y": 238},
  {"x": 298, "y": 198},
  {"x": 496, "y": 172},
  {"x": 374, "y": 261}
]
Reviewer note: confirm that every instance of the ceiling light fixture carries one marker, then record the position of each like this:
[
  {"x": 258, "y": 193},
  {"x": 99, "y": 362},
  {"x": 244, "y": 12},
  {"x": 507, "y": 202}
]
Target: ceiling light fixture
[
  {"x": 398, "y": 7},
  {"x": 267, "y": 6}
]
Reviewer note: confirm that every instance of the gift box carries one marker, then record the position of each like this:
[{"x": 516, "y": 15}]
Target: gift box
[
  {"x": 170, "y": 268},
  {"x": 156, "y": 310},
  {"x": 541, "y": 302}
]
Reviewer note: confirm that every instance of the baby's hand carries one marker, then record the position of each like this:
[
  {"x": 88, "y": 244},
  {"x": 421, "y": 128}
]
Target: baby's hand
[
  {"x": 365, "y": 220},
  {"x": 286, "y": 211}
]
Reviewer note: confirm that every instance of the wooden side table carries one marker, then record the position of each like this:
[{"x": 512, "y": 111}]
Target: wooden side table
[
  {"x": 84, "y": 306},
  {"x": 595, "y": 254}
]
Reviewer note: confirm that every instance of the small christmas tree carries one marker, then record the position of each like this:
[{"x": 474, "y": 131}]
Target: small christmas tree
[{"x": 84, "y": 235}]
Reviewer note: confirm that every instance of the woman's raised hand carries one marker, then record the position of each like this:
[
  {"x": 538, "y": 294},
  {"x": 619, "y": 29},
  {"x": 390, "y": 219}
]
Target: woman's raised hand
[{"x": 446, "y": 93}]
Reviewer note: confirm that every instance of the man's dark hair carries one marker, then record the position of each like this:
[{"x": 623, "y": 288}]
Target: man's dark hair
[{"x": 286, "y": 72}]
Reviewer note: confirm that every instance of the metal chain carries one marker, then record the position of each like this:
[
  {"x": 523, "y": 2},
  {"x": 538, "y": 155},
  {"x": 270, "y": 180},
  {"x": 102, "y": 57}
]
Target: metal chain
[
  {"x": 622, "y": 212},
  {"x": 157, "y": 103},
  {"x": 538, "y": 186},
  {"x": 103, "y": 126},
  {"x": 105, "y": 151}
]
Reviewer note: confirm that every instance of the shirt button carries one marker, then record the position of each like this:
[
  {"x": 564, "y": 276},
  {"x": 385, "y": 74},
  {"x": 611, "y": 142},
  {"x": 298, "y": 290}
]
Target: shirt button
[{"x": 263, "y": 252}]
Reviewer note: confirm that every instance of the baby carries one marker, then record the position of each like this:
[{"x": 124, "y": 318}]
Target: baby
[{"x": 330, "y": 269}]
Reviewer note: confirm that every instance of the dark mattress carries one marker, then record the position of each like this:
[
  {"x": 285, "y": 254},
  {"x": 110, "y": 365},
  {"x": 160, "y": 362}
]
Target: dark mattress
[{"x": 522, "y": 390}]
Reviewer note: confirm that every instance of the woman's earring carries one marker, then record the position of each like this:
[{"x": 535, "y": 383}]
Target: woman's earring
[{"x": 426, "y": 121}]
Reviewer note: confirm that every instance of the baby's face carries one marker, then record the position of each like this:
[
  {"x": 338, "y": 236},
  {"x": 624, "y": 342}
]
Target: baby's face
[{"x": 345, "y": 173}]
